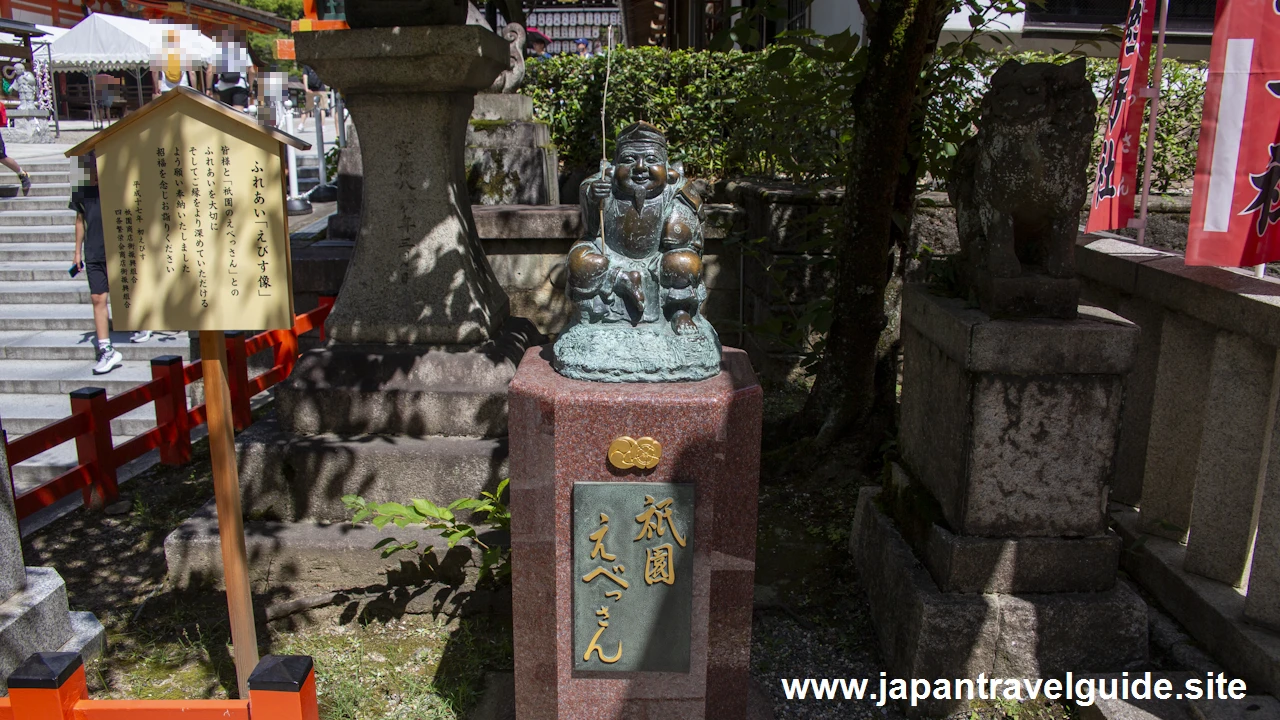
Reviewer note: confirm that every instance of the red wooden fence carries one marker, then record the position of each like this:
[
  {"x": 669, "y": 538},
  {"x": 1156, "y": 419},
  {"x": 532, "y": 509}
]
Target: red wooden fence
[
  {"x": 92, "y": 412},
  {"x": 51, "y": 686}
]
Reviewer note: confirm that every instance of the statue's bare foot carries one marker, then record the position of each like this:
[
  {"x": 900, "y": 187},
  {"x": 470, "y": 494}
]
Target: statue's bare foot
[{"x": 683, "y": 323}]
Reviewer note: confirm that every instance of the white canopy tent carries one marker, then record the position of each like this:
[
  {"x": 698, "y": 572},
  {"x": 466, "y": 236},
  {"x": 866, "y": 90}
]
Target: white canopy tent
[
  {"x": 108, "y": 42},
  {"x": 103, "y": 42}
]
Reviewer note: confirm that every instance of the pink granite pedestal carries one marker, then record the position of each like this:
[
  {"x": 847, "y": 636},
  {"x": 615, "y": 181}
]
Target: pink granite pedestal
[{"x": 560, "y": 432}]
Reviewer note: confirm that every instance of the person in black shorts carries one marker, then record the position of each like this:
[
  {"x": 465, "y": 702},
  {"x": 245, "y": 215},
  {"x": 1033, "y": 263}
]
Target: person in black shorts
[
  {"x": 13, "y": 165},
  {"x": 91, "y": 255}
]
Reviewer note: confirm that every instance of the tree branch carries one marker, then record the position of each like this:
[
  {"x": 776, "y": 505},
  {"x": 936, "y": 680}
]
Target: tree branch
[{"x": 868, "y": 11}]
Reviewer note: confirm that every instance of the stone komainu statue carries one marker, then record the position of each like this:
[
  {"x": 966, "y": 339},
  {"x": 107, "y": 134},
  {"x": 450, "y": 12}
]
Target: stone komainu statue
[
  {"x": 636, "y": 277},
  {"x": 1018, "y": 187}
]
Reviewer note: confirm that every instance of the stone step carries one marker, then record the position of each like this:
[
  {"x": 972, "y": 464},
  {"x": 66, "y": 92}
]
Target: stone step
[
  {"x": 318, "y": 554},
  {"x": 33, "y": 203},
  {"x": 50, "y": 464},
  {"x": 46, "y": 317},
  {"x": 45, "y": 177},
  {"x": 9, "y": 193},
  {"x": 88, "y": 638},
  {"x": 37, "y": 251},
  {"x": 10, "y": 218},
  {"x": 45, "y": 292},
  {"x": 80, "y": 345},
  {"x": 59, "y": 377},
  {"x": 63, "y": 165},
  {"x": 27, "y": 412},
  {"x": 34, "y": 270},
  {"x": 382, "y": 468},
  {"x": 51, "y": 160},
  {"x": 39, "y": 233},
  {"x": 60, "y": 188}
]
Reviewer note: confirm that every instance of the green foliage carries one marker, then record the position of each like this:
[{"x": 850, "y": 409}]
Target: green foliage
[
  {"x": 725, "y": 114},
  {"x": 495, "y": 561},
  {"x": 1182, "y": 88},
  {"x": 785, "y": 112},
  {"x": 287, "y": 9},
  {"x": 331, "y": 157}
]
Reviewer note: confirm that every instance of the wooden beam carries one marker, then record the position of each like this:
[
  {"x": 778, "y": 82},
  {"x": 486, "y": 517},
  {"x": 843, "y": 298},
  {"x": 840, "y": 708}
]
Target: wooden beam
[{"x": 12, "y": 50}]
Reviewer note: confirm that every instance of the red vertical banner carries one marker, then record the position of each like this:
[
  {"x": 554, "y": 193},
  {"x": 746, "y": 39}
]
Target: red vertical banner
[
  {"x": 1116, "y": 177},
  {"x": 1235, "y": 208}
]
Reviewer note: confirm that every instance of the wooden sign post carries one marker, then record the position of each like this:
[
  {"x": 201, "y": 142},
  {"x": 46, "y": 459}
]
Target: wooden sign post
[{"x": 197, "y": 239}]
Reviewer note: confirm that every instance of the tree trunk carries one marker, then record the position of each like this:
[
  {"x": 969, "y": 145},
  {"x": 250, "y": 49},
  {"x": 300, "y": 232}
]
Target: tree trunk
[{"x": 900, "y": 34}]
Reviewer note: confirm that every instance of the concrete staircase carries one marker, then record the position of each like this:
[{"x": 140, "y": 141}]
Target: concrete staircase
[{"x": 46, "y": 326}]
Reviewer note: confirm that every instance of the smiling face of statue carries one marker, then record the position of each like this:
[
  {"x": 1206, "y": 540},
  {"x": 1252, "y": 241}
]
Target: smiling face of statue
[{"x": 640, "y": 170}]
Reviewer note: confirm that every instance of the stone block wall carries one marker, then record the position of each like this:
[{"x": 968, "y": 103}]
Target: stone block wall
[
  {"x": 1196, "y": 459},
  {"x": 527, "y": 246}
]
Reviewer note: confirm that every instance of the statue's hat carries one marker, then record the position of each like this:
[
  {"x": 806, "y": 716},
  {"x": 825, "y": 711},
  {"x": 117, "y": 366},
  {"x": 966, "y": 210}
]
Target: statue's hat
[{"x": 641, "y": 132}]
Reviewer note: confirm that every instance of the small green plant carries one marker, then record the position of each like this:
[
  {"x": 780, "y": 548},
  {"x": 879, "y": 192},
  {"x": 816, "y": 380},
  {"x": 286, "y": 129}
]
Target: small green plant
[
  {"x": 331, "y": 157},
  {"x": 495, "y": 561}
]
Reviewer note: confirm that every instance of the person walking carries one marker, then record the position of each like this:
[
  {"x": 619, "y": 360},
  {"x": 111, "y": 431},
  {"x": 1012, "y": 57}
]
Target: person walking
[
  {"x": 13, "y": 165},
  {"x": 8, "y": 161},
  {"x": 230, "y": 77},
  {"x": 91, "y": 256},
  {"x": 170, "y": 64}
]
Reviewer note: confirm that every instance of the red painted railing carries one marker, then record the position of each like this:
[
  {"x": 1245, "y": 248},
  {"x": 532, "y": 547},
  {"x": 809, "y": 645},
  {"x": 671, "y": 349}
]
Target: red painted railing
[
  {"x": 51, "y": 686},
  {"x": 92, "y": 412}
]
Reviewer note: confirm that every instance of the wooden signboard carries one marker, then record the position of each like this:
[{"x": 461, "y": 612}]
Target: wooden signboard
[
  {"x": 197, "y": 238},
  {"x": 193, "y": 212}
]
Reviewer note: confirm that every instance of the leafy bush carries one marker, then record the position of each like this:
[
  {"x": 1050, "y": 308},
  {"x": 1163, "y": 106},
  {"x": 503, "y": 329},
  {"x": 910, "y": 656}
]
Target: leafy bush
[
  {"x": 781, "y": 112},
  {"x": 725, "y": 114}
]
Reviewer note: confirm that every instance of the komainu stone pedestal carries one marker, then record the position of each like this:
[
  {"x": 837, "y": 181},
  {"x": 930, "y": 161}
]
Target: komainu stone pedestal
[
  {"x": 989, "y": 551},
  {"x": 632, "y": 587},
  {"x": 33, "y": 600}
]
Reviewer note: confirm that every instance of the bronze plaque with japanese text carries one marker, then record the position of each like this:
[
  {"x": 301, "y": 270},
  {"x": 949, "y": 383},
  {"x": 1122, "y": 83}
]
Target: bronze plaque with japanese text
[
  {"x": 194, "y": 218},
  {"x": 633, "y": 576}
]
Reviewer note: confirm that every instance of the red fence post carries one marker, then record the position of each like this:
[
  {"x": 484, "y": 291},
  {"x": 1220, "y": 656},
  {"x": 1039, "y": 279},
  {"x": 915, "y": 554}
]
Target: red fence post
[
  {"x": 238, "y": 380},
  {"x": 326, "y": 301},
  {"x": 46, "y": 686},
  {"x": 171, "y": 410},
  {"x": 286, "y": 350},
  {"x": 94, "y": 448},
  {"x": 283, "y": 687}
]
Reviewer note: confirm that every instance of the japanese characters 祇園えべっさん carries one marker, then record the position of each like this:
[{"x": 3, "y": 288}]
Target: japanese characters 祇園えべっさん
[{"x": 633, "y": 576}]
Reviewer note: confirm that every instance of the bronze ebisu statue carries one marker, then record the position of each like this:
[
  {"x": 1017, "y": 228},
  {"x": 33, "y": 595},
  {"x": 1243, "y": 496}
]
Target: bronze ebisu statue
[{"x": 636, "y": 277}]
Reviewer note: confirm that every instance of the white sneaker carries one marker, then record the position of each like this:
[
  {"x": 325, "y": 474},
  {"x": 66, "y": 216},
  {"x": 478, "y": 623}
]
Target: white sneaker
[
  {"x": 141, "y": 336},
  {"x": 108, "y": 359}
]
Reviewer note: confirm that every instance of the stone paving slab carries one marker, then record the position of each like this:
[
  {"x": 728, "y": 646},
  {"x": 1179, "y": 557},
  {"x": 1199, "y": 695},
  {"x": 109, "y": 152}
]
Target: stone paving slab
[
  {"x": 63, "y": 230},
  {"x": 45, "y": 292},
  {"x": 50, "y": 189},
  {"x": 64, "y": 376},
  {"x": 50, "y": 464},
  {"x": 79, "y": 345},
  {"x": 27, "y": 412},
  {"x": 34, "y": 270},
  {"x": 36, "y": 217},
  {"x": 28, "y": 251},
  {"x": 46, "y": 317}
]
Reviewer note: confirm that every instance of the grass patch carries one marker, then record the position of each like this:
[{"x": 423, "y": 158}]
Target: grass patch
[
  {"x": 415, "y": 667},
  {"x": 167, "y": 643}
]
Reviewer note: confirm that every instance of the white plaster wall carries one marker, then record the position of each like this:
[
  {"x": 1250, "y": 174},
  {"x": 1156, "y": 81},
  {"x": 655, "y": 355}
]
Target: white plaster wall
[{"x": 831, "y": 16}]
